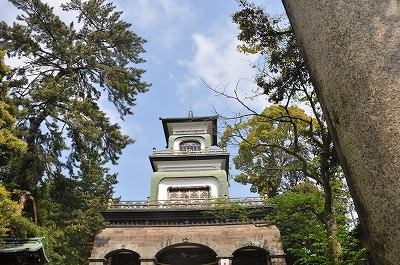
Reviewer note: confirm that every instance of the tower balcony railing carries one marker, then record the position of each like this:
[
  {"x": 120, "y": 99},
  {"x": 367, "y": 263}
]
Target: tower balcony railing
[
  {"x": 189, "y": 152},
  {"x": 186, "y": 203}
]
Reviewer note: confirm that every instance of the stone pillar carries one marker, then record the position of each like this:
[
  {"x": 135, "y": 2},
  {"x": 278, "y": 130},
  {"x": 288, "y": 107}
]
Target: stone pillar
[
  {"x": 93, "y": 261},
  {"x": 147, "y": 261},
  {"x": 278, "y": 260},
  {"x": 224, "y": 260},
  {"x": 352, "y": 50}
]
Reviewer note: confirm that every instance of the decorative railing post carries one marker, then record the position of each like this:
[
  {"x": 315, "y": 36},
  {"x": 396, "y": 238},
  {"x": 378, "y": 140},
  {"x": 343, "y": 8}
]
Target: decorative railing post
[{"x": 186, "y": 202}]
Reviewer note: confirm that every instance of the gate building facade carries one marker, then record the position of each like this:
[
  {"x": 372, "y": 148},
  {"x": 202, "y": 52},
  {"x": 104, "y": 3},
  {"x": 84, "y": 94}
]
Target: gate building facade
[{"x": 188, "y": 217}]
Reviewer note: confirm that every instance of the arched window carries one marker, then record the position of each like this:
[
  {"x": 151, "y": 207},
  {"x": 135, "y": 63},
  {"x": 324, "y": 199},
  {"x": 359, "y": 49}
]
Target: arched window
[
  {"x": 190, "y": 145},
  {"x": 187, "y": 254},
  {"x": 123, "y": 257},
  {"x": 251, "y": 255}
]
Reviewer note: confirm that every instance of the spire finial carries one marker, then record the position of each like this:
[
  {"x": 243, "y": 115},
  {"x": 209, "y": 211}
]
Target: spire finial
[{"x": 190, "y": 100}]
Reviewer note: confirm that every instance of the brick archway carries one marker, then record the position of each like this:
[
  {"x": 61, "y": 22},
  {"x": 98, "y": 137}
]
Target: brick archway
[
  {"x": 122, "y": 257},
  {"x": 187, "y": 254},
  {"x": 251, "y": 255},
  {"x": 223, "y": 239}
]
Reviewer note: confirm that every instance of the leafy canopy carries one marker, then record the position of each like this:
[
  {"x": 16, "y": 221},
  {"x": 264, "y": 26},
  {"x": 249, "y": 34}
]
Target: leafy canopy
[
  {"x": 11, "y": 147},
  {"x": 67, "y": 71},
  {"x": 273, "y": 145}
]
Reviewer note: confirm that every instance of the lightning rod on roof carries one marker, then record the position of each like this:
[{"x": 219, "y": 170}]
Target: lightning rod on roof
[{"x": 190, "y": 100}]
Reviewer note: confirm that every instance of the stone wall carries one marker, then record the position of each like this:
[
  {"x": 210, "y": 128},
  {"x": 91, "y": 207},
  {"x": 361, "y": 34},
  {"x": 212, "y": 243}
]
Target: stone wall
[{"x": 223, "y": 239}]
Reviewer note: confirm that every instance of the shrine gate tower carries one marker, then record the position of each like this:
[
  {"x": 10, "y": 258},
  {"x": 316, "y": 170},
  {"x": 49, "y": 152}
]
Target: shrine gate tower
[{"x": 184, "y": 220}]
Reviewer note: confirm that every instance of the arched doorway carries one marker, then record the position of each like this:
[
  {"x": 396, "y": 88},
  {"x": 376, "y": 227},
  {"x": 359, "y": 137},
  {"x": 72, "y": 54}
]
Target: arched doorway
[
  {"x": 123, "y": 257},
  {"x": 251, "y": 255},
  {"x": 186, "y": 254}
]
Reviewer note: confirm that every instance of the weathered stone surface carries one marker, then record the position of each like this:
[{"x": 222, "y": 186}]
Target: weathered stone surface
[
  {"x": 223, "y": 239},
  {"x": 352, "y": 49}
]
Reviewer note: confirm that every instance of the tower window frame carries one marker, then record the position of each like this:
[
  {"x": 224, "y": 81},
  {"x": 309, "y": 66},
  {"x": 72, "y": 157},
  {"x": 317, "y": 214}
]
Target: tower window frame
[
  {"x": 181, "y": 193},
  {"x": 190, "y": 145}
]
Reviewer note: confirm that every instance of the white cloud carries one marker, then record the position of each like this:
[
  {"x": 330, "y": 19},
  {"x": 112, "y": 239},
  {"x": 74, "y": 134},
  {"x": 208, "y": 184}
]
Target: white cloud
[
  {"x": 153, "y": 16},
  {"x": 217, "y": 61}
]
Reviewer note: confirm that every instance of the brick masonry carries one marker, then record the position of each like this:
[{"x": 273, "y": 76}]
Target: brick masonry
[{"x": 223, "y": 239}]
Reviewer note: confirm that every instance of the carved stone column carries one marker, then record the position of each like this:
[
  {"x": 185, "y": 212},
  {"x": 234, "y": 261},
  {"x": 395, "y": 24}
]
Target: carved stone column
[
  {"x": 352, "y": 50},
  {"x": 147, "y": 261},
  {"x": 93, "y": 261},
  {"x": 278, "y": 260},
  {"x": 225, "y": 260}
]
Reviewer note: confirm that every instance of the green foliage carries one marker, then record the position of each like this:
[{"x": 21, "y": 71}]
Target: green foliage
[
  {"x": 299, "y": 215},
  {"x": 11, "y": 147},
  {"x": 283, "y": 70},
  {"x": 223, "y": 209},
  {"x": 7, "y": 209},
  {"x": 51, "y": 101},
  {"x": 11, "y": 223},
  {"x": 75, "y": 232},
  {"x": 69, "y": 71},
  {"x": 273, "y": 148}
]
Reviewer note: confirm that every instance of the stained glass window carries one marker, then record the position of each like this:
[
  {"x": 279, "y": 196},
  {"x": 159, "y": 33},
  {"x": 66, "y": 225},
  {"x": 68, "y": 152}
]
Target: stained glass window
[
  {"x": 182, "y": 193},
  {"x": 190, "y": 145}
]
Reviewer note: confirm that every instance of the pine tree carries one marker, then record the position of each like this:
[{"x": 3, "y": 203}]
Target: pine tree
[{"x": 66, "y": 69}]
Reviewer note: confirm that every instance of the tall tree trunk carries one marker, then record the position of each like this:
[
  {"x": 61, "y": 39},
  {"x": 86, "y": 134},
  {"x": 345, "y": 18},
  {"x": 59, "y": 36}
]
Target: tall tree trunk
[
  {"x": 335, "y": 254},
  {"x": 334, "y": 248}
]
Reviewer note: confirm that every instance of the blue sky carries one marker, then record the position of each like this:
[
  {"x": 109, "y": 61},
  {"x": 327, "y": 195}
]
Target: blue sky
[{"x": 187, "y": 40}]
